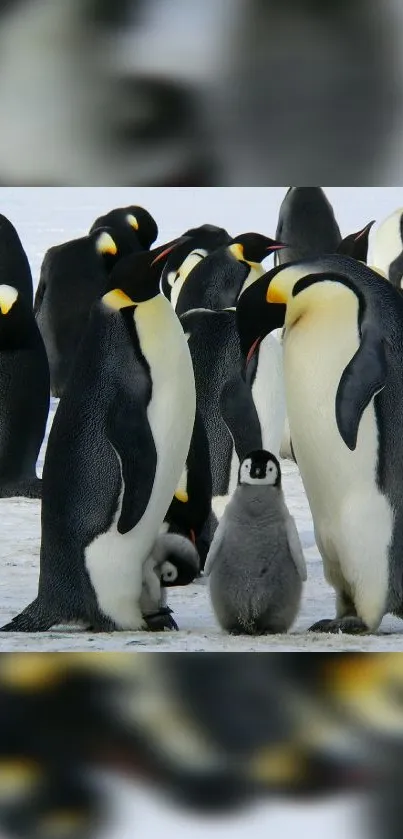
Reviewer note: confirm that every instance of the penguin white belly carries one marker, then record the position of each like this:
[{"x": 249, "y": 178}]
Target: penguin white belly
[
  {"x": 269, "y": 394},
  {"x": 115, "y": 561},
  {"x": 353, "y": 520}
]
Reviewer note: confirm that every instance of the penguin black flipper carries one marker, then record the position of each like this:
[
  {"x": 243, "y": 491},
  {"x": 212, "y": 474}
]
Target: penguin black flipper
[
  {"x": 240, "y": 415},
  {"x": 362, "y": 379},
  {"x": 128, "y": 423}
]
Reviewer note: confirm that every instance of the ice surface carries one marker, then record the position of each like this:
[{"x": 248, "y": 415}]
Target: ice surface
[{"x": 47, "y": 216}]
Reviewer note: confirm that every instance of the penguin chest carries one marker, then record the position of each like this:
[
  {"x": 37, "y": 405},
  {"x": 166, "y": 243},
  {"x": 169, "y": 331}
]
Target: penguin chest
[
  {"x": 269, "y": 395},
  {"x": 353, "y": 520}
]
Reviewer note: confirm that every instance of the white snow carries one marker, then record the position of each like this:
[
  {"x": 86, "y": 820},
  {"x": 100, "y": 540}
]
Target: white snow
[{"x": 47, "y": 216}]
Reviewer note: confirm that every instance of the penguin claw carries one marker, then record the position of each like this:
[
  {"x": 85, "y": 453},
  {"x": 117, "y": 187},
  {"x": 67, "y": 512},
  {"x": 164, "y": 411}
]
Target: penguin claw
[
  {"x": 350, "y": 625},
  {"x": 161, "y": 620}
]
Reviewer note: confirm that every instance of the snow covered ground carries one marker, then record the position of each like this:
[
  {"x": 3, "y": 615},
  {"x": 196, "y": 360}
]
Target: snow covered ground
[{"x": 47, "y": 216}]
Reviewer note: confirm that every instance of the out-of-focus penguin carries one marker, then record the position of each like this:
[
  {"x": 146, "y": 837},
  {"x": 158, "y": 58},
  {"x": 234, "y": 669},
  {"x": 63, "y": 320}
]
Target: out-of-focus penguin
[
  {"x": 255, "y": 564},
  {"x": 116, "y": 451},
  {"x": 387, "y": 248},
  {"x": 198, "y": 243},
  {"x": 73, "y": 275},
  {"x": 306, "y": 224},
  {"x": 24, "y": 395},
  {"x": 217, "y": 280},
  {"x": 15, "y": 270},
  {"x": 343, "y": 359},
  {"x": 138, "y": 224}
]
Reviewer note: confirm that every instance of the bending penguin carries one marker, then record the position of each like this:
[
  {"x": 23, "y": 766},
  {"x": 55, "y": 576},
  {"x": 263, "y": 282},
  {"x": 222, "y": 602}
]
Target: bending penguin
[
  {"x": 24, "y": 395},
  {"x": 115, "y": 455},
  {"x": 343, "y": 364},
  {"x": 73, "y": 275},
  {"x": 137, "y": 223},
  {"x": 255, "y": 564}
]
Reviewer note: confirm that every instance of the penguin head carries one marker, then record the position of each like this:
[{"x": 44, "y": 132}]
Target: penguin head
[
  {"x": 137, "y": 277},
  {"x": 303, "y": 288},
  {"x": 132, "y": 219},
  {"x": 260, "y": 467},
  {"x": 177, "y": 560},
  {"x": 16, "y": 319},
  {"x": 111, "y": 245},
  {"x": 254, "y": 318},
  {"x": 196, "y": 243},
  {"x": 253, "y": 247},
  {"x": 356, "y": 244}
]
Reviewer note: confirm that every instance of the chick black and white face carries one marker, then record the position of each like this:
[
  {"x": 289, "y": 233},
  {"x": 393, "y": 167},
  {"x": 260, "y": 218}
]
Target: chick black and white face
[
  {"x": 260, "y": 467},
  {"x": 169, "y": 573}
]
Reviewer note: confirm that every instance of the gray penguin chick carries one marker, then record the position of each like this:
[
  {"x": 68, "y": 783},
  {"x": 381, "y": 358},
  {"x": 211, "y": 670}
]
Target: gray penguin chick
[{"x": 255, "y": 565}]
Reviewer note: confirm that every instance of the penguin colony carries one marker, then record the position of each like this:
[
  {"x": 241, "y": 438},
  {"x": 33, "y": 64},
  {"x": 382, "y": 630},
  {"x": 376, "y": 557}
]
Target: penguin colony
[{"x": 184, "y": 373}]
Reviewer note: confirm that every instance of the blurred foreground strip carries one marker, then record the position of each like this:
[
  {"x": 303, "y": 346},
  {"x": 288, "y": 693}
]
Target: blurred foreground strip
[{"x": 213, "y": 732}]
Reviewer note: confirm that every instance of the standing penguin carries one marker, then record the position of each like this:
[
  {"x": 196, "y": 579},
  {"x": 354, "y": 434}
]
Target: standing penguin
[
  {"x": 73, "y": 275},
  {"x": 198, "y": 243},
  {"x": 14, "y": 266},
  {"x": 387, "y": 249},
  {"x": 217, "y": 280},
  {"x": 136, "y": 222},
  {"x": 343, "y": 360},
  {"x": 115, "y": 455},
  {"x": 256, "y": 565},
  {"x": 24, "y": 395}
]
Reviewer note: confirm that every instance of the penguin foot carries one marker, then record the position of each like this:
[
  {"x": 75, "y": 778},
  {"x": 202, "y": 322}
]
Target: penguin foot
[
  {"x": 350, "y": 625},
  {"x": 161, "y": 620},
  {"x": 26, "y": 489}
]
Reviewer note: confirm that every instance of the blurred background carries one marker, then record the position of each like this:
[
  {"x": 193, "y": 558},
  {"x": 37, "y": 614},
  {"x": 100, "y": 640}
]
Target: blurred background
[
  {"x": 203, "y": 745},
  {"x": 201, "y": 92}
]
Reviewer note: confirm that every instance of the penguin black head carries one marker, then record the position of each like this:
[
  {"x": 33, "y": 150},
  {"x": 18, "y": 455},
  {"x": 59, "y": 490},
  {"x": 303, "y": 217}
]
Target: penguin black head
[
  {"x": 356, "y": 244},
  {"x": 260, "y": 467},
  {"x": 17, "y": 324},
  {"x": 111, "y": 245},
  {"x": 254, "y": 247},
  {"x": 132, "y": 218},
  {"x": 137, "y": 277},
  {"x": 198, "y": 240},
  {"x": 254, "y": 318}
]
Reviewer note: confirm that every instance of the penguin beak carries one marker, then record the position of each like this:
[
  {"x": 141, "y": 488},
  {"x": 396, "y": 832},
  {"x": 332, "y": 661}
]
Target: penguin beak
[
  {"x": 364, "y": 230},
  {"x": 117, "y": 299},
  {"x": 167, "y": 249},
  {"x": 276, "y": 246},
  {"x": 253, "y": 349}
]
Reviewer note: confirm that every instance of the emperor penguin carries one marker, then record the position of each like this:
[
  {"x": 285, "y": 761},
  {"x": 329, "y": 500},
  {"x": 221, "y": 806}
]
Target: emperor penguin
[
  {"x": 255, "y": 565},
  {"x": 138, "y": 224},
  {"x": 216, "y": 281},
  {"x": 115, "y": 455},
  {"x": 24, "y": 395},
  {"x": 73, "y": 275},
  {"x": 173, "y": 562},
  {"x": 387, "y": 248},
  {"x": 15, "y": 269},
  {"x": 307, "y": 224},
  {"x": 197, "y": 243},
  {"x": 343, "y": 359}
]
